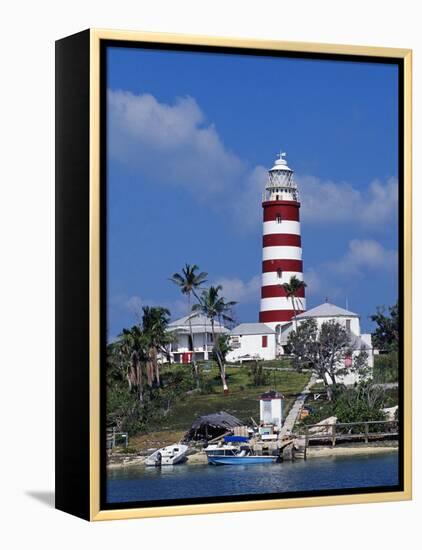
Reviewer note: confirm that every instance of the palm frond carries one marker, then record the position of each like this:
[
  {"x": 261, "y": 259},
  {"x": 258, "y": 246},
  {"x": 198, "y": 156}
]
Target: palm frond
[{"x": 177, "y": 278}]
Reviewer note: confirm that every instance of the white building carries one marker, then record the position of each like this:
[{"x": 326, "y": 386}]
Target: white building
[
  {"x": 181, "y": 349},
  {"x": 252, "y": 341},
  {"x": 271, "y": 408},
  {"x": 329, "y": 312}
]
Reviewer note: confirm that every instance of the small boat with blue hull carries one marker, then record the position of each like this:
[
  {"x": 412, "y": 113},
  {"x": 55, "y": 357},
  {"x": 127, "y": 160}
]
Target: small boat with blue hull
[{"x": 230, "y": 455}]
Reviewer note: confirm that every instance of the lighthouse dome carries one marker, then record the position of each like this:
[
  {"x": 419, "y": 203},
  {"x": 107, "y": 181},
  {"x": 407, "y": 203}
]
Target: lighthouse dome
[{"x": 281, "y": 164}]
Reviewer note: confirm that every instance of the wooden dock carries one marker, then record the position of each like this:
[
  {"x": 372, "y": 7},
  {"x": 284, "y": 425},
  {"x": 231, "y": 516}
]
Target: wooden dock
[{"x": 345, "y": 432}]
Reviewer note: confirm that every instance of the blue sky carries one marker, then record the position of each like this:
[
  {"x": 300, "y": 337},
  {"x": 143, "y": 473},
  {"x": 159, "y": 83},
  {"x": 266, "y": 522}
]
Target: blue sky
[{"x": 191, "y": 137}]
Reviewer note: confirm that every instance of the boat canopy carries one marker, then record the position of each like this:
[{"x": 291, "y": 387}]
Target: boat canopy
[{"x": 236, "y": 439}]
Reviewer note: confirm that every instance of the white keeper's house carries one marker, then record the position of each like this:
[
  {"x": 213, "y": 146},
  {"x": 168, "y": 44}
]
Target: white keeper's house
[
  {"x": 329, "y": 312},
  {"x": 182, "y": 348},
  {"x": 252, "y": 341}
]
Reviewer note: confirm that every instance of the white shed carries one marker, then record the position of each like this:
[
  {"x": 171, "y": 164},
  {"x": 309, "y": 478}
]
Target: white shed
[
  {"x": 271, "y": 408},
  {"x": 252, "y": 341}
]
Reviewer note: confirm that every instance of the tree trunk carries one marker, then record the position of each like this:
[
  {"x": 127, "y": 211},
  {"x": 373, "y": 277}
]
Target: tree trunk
[
  {"x": 193, "y": 359},
  {"x": 140, "y": 382},
  {"x": 294, "y": 312},
  {"x": 128, "y": 376},
  {"x": 329, "y": 387},
  {"x": 150, "y": 370},
  {"x": 156, "y": 366},
  {"x": 219, "y": 361},
  {"x": 137, "y": 375}
]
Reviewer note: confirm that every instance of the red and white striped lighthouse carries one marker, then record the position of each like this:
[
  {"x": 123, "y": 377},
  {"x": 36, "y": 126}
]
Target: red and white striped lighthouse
[{"x": 282, "y": 247}]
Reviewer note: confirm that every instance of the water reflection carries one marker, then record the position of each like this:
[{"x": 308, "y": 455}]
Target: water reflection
[{"x": 190, "y": 481}]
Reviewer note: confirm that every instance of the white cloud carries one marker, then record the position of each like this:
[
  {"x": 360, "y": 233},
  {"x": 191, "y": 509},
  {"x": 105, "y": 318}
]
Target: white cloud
[
  {"x": 313, "y": 281},
  {"x": 246, "y": 203},
  {"x": 133, "y": 305},
  {"x": 328, "y": 202},
  {"x": 335, "y": 278},
  {"x": 365, "y": 255},
  {"x": 321, "y": 285},
  {"x": 244, "y": 292},
  {"x": 173, "y": 144}
]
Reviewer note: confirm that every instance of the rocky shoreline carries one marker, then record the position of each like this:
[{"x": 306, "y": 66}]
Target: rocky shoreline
[
  {"x": 352, "y": 449},
  {"x": 199, "y": 457}
]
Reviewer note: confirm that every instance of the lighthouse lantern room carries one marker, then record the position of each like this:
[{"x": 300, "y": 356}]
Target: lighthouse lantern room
[{"x": 281, "y": 246}]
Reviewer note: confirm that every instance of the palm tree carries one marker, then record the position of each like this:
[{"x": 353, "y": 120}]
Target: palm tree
[
  {"x": 189, "y": 281},
  {"x": 130, "y": 348},
  {"x": 215, "y": 307},
  {"x": 154, "y": 324},
  {"x": 292, "y": 288}
]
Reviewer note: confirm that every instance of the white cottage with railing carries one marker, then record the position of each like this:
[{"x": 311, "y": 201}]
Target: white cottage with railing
[{"x": 201, "y": 343}]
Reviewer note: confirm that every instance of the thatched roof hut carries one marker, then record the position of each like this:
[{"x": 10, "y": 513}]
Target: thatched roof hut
[{"x": 212, "y": 425}]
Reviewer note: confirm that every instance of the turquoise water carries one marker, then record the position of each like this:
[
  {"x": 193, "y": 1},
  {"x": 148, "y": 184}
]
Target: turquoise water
[{"x": 316, "y": 474}]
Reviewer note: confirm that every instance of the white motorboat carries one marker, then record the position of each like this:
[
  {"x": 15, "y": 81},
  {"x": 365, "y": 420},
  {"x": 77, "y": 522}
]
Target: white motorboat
[
  {"x": 230, "y": 454},
  {"x": 168, "y": 456}
]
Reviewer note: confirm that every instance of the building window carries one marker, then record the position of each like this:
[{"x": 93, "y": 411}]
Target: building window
[
  {"x": 264, "y": 341},
  {"x": 279, "y": 274},
  {"x": 278, "y": 218},
  {"x": 348, "y": 321}
]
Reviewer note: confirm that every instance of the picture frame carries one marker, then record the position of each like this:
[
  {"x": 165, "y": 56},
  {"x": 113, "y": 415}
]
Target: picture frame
[{"x": 81, "y": 255}]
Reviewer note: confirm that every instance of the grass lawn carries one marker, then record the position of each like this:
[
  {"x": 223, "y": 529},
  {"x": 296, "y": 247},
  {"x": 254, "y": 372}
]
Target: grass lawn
[
  {"x": 281, "y": 363},
  {"x": 242, "y": 400}
]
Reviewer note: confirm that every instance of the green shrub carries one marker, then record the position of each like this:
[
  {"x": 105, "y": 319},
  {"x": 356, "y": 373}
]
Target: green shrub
[
  {"x": 128, "y": 414},
  {"x": 362, "y": 403},
  {"x": 386, "y": 368},
  {"x": 258, "y": 376},
  {"x": 206, "y": 384}
]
